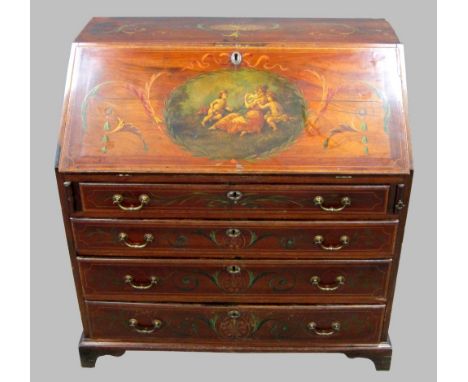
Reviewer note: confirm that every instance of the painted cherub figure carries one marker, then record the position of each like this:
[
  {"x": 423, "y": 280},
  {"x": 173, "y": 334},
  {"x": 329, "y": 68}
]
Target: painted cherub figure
[
  {"x": 217, "y": 108},
  {"x": 275, "y": 111},
  {"x": 259, "y": 97}
]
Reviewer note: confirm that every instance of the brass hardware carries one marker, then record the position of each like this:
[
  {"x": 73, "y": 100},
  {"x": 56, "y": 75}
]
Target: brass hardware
[
  {"x": 233, "y": 269},
  {"x": 319, "y": 239},
  {"x": 400, "y": 205},
  {"x": 315, "y": 280},
  {"x": 235, "y": 196},
  {"x": 335, "y": 327},
  {"x": 233, "y": 314},
  {"x": 233, "y": 232},
  {"x": 118, "y": 199},
  {"x": 345, "y": 202},
  {"x": 148, "y": 238},
  {"x": 236, "y": 58},
  {"x": 129, "y": 280},
  {"x": 133, "y": 323}
]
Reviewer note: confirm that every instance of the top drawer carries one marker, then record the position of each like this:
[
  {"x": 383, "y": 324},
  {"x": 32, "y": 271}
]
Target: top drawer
[{"x": 232, "y": 201}]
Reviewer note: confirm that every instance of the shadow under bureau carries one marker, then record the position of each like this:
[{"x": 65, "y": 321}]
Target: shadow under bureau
[{"x": 235, "y": 184}]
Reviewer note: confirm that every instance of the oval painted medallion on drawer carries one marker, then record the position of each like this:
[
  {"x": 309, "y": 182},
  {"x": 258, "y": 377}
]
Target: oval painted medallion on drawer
[{"x": 235, "y": 114}]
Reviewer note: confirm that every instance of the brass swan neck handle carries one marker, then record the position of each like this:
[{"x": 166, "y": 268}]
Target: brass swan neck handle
[
  {"x": 133, "y": 323},
  {"x": 319, "y": 240},
  {"x": 118, "y": 199},
  {"x": 148, "y": 238},
  {"x": 320, "y": 200}
]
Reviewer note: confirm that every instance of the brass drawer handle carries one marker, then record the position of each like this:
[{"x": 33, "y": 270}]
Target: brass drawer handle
[
  {"x": 319, "y": 239},
  {"x": 129, "y": 280},
  {"x": 133, "y": 323},
  {"x": 335, "y": 327},
  {"x": 234, "y": 196},
  {"x": 345, "y": 202},
  {"x": 148, "y": 238},
  {"x": 233, "y": 269},
  {"x": 118, "y": 199},
  {"x": 233, "y": 232},
  {"x": 339, "y": 281}
]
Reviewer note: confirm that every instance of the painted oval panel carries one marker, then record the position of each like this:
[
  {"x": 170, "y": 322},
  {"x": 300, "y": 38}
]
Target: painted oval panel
[{"x": 235, "y": 114}]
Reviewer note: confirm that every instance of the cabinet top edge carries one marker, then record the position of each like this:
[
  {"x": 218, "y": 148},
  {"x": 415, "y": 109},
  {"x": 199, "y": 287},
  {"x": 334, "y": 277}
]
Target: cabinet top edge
[{"x": 232, "y": 31}]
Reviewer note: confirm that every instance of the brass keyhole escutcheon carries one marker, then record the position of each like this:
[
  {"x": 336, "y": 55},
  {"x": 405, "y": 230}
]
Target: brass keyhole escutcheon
[
  {"x": 236, "y": 58},
  {"x": 234, "y": 195},
  {"x": 233, "y": 232},
  {"x": 233, "y": 269},
  {"x": 233, "y": 314}
]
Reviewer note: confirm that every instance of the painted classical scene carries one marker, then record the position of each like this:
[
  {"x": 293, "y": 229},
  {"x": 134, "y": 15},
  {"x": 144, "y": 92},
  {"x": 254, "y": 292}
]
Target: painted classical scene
[
  {"x": 237, "y": 116},
  {"x": 242, "y": 114}
]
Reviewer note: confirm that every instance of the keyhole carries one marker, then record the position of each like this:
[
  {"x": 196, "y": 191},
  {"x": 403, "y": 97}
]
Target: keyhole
[
  {"x": 233, "y": 232},
  {"x": 234, "y": 195},
  {"x": 233, "y": 269},
  {"x": 236, "y": 58}
]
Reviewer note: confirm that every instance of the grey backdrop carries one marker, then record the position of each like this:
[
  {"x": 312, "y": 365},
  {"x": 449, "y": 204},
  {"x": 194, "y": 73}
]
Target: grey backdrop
[{"x": 55, "y": 322}]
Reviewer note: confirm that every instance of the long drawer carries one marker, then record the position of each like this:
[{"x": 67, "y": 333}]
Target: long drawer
[
  {"x": 188, "y": 238},
  {"x": 262, "y": 325},
  {"x": 299, "y": 281},
  {"x": 233, "y": 201}
]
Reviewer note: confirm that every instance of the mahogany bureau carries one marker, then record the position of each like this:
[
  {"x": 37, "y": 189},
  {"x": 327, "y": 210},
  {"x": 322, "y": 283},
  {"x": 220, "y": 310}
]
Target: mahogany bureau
[{"x": 235, "y": 184}]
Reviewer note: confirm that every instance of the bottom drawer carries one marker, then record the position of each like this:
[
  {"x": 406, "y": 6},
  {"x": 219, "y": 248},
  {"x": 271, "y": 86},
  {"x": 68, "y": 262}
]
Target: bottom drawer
[{"x": 255, "y": 325}]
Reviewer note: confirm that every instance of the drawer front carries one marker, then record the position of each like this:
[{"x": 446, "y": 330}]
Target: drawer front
[
  {"x": 234, "y": 238},
  {"x": 234, "y": 281},
  {"x": 239, "y": 324},
  {"x": 232, "y": 201}
]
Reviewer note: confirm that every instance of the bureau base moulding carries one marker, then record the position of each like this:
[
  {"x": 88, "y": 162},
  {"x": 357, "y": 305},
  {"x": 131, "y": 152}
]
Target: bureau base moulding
[{"x": 380, "y": 355}]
